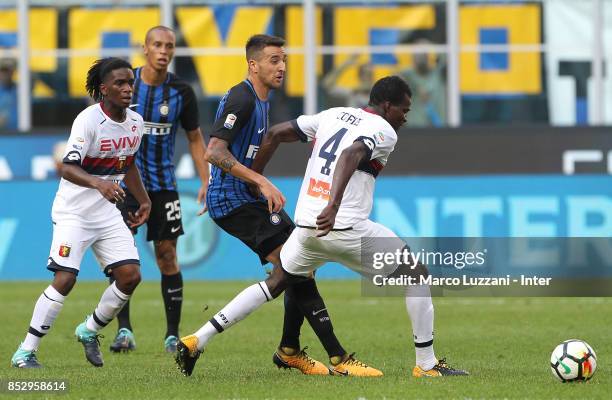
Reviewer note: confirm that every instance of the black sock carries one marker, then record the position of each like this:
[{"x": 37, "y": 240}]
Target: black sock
[
  {"x": 172, "y": 292},
  {"x": 123, "y": 318},
  {"x": 313, "y": 308},
  {"x": 293, "y": 320}
]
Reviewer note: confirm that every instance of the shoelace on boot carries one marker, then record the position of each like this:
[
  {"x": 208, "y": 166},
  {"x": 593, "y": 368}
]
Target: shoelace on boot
[
  {"x": 31, "y": 356},
  {"x": 352, "y": 361},
  {"x": 443, "y": 364},
  {"x": 302, "y": 355},
  {"x": 95, "y": 337}
]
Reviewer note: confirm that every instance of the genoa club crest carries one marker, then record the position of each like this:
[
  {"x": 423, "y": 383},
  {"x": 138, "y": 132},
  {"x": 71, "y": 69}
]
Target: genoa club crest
[{"x": 64, "y": 250}]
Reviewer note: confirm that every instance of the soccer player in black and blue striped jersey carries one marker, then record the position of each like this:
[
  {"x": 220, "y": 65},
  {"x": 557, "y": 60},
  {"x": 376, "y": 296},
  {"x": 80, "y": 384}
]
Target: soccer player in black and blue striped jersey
[
  {"x": 165, "y": 102},
  {"x": 258, "y": 221}
]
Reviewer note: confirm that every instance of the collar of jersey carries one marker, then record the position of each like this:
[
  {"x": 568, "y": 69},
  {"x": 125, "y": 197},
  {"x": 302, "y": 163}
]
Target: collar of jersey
[
  {"x": 139, "y": 71},
  {"x": 250, "y": 85}
]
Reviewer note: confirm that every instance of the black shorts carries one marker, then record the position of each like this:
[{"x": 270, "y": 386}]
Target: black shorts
[
  {"x": 164, "y": 222},
  {"x": 253, "y": 224}
]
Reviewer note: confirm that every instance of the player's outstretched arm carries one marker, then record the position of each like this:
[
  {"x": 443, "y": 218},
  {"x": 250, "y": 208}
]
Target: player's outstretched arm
[
  {"x": 219, "y": 155},
  {"x": 134, "y": 184},
  {"x": 277, "y": 134},
  {"x": 111, "y": 191},
  {"x": 348, "y": 162},
  {"x": 197, "y": 148}
]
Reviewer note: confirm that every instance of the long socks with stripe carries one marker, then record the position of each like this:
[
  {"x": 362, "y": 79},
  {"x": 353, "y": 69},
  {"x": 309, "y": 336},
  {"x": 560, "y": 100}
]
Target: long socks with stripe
[
  {"x": 47, "y": 308},
  {"x": 111, "y": 302},
  {"x": 421, "y": 312},
  {"x": 123, "y": 318},
  {"x": 236, "y": 310}
]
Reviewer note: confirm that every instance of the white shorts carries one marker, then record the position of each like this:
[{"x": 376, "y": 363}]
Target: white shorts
[
  {"x": 304, "y": 252},
  {"x": 113, "y": 246}
]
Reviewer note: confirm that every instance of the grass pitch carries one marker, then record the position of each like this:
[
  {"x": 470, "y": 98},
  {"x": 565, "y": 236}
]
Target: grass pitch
[{"x": 504, "y": 342}]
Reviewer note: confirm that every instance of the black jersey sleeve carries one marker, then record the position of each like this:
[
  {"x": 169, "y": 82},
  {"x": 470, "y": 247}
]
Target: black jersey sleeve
[
  {"x": 237, "y": 110},
  {"x": 189, "y": 115}
]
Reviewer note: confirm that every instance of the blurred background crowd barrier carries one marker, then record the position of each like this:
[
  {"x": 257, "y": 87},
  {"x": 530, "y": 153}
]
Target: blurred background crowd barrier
[{"x": 470, "y": 62}]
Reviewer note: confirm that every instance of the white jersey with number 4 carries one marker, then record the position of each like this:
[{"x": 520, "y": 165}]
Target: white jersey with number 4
[
  {"x": 333, "y": 131},
  {"x": 103, "y": 148}
]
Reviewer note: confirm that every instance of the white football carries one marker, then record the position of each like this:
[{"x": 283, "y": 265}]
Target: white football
[{"x": 573, "y": 360}]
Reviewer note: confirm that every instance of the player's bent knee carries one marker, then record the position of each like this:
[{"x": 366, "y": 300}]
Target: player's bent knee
[
  {"x": 165, "y": 255},
  {"x": 276, "y": 286},
  {"x": 127, "y": 277},
  {"x": 63, "y": 282},
  {"x": 134, "y": 278},
  {"x": 277, "y": 282},
  {"x": 170, "y": 268}
]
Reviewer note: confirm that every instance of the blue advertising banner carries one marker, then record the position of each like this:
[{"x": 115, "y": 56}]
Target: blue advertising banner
[
  {"x": 28, "y": 157},
  {"x": 492, "y": 206}
]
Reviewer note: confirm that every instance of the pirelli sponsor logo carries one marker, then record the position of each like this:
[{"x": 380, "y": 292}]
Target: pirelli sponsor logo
[
  {"x": 157, "y": 129},
  {"x": 319, "y": 189}
]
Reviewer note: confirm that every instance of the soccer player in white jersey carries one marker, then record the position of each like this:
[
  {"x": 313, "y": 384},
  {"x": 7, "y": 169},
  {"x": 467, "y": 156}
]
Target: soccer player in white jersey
[
  {"x": 351, "y": 147},
  {"x": 98, "y": 156}
]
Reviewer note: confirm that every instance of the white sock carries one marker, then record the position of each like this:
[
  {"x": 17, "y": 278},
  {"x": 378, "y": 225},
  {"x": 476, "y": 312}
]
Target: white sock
[
  {"x": 421, "y": 312},
  {"x": 111, "y": 302},
  {"x": 242, "y": 305},
  {"x": 47, "y": 308}
]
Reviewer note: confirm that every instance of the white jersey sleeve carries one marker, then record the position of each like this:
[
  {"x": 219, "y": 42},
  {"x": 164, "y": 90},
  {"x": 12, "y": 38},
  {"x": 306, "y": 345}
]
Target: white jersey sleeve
[
  {"x": 306, "y": 126},
  {"x": 81, "y": 137},
  {"x": 380, "y": 140}
]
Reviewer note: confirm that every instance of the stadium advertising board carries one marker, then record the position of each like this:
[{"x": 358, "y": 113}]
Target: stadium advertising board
[
  {"x": 463, "y": 151},
  {"x": 494, "y": 206}
]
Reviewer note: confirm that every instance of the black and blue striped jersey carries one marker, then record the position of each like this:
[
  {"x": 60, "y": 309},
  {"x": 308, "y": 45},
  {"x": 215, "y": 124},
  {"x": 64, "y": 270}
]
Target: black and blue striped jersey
[
  {"x": 241, "y": 120},
  {"x": 162, "y": 107}
]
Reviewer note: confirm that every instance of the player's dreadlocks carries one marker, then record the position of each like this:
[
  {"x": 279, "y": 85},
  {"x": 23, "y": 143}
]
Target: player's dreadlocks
[{"x": 98, "y": 71}]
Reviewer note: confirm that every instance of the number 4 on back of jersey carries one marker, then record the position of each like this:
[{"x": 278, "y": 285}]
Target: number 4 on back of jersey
[{"x": 330, "y": 156}]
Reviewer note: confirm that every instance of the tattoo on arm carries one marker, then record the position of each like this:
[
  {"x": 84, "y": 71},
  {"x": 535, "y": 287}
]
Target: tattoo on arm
[
  {"x": 223, "y": 161},
  {"x": 227, "y": 164}
]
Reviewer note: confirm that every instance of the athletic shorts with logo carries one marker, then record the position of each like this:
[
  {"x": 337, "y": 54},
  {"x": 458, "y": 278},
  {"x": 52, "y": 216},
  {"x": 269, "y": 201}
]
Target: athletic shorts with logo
[
  {"x": 165, "y": 220},
  {"x": 113, "y": 245},
  {"x": 261, "y": 231},
  {"x": 304, "y": 252}
]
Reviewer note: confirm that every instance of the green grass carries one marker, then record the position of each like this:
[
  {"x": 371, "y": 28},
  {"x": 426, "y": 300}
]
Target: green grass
[{"x": 505, "y": 343}]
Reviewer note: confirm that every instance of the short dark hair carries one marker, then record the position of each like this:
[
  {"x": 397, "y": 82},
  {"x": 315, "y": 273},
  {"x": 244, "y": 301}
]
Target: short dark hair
[
  {"x": 158, "y": 28},
  {"x": 391, "y": 89},
  {"x": 98, "y": 72},
  {"x": 257, "y": 43}
]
